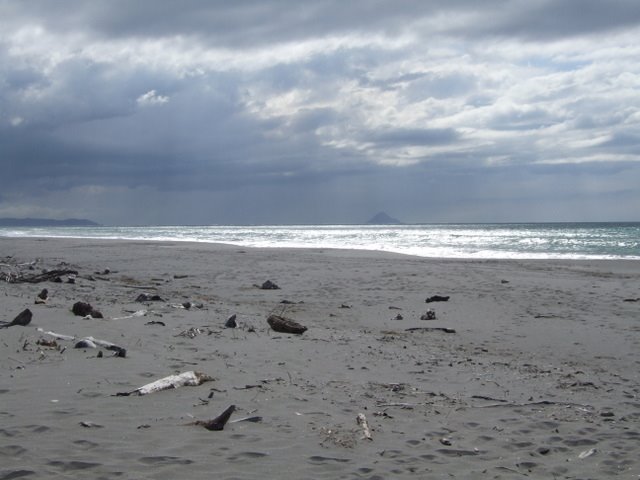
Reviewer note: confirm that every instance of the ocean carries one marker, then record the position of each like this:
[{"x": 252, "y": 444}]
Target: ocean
[{"x": 480, "y": 241}]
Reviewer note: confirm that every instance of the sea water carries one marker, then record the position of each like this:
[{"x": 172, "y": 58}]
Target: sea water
[{"x": 483, "y": 241}]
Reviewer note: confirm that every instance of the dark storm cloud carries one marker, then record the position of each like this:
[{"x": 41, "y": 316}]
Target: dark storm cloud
[
  {"x": 275, "y": 110},
  {"x": 237, "y": 24},
  {"x": 551, "y": 19},
  {"x": 241, "y": 24}
]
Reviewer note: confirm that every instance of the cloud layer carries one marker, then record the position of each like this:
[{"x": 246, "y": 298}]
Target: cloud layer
[{"x": 289, "y": 112}]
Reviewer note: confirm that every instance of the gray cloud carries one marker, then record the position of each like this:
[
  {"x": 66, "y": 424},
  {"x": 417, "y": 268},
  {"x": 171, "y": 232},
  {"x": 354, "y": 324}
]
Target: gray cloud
[
  {"x": 411, "y": 137},
  {"x": 242, "y": 24},
  {"x": 282, "y": 111},
  {"x": 549, "y": 19}
]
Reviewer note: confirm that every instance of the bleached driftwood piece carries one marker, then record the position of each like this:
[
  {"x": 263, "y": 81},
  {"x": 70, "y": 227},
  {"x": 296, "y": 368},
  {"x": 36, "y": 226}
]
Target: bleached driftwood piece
[
  {"x": 57, "y": 336},
  {"x": 185, "y": 379},
  {"x": 362, "y": 421}
]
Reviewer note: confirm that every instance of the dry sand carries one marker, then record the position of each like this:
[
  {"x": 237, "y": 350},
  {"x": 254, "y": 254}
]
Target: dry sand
[{"x": 539, "y": 380}]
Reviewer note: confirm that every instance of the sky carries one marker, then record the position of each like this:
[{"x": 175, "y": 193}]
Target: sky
[{"x": 289, "y": 112}]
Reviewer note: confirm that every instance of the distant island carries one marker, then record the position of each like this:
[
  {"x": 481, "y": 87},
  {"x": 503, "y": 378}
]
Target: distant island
[
  {"x": 381, "y": 218},
  {"x": 46, "y": 222}
]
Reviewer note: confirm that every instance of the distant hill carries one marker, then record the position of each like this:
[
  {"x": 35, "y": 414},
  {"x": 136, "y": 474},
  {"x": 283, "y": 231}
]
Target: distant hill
[
  {"x": 46, "y": 222},
  {"x": 382, "y": 218}
]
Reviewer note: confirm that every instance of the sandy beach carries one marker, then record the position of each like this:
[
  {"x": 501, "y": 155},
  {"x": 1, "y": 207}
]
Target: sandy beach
[{"x": 529, "y": 369}]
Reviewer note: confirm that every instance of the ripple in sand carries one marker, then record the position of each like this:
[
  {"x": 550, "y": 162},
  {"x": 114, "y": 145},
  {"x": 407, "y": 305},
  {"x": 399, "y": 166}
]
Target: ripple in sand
[
  {"x": 319, "y": 459},
  {"x": 392, "y": 453},
  {"x": 579, "y": 442},
  {"x": 453, "y": 452},
  {"x": 244, "y": 455},
  {"x": 11, "y": 474},
  {"x": 86, "y": 444},
  {"x": 67, "y": 411},
  {"x": 165, "y": 460},
  {"x": 429, "y": 458},
  {"x": 73, "y": 465},
  {"x": 12, "y": 450},
  {"x": 8, "y": 433},
  {"x": 38, "y": 428},
  {"x": 91, "y": 394},
  {"x": 519, "y": 445}
]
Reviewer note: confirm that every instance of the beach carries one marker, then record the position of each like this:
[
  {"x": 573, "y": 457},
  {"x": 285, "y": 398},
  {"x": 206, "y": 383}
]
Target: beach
[{"x": 530, "y": 368}]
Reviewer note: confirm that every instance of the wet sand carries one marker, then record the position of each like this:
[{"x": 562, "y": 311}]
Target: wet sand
[{"x": 540, "y": 378}]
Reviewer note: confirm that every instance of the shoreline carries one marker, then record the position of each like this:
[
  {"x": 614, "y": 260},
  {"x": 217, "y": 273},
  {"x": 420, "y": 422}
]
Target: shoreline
[{"x": 542, "y": 366}]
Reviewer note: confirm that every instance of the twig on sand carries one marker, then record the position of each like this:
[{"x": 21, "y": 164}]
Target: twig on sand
[
  {"x": 430, "y": 329},
  {"x": 247, "y": 387},
  {"x": 141, "y": 287},
  {"x": 254, "y": 419},
  {"x": 512, "y": 470},
  {"x": 399, "y": 404},
  {"x": 484, "y": 397},
  {"x": 529, "y": 404}
]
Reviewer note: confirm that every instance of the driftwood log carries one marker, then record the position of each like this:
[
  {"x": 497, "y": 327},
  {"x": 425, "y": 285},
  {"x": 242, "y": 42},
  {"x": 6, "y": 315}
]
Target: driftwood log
[
  {"x": 90, "y": 342},
  {"x": 186, "y": 379},
  {"x": 285, "y": 325},
  {"x": 437, "y": 298},
  {"x": 51, "y": 275}
]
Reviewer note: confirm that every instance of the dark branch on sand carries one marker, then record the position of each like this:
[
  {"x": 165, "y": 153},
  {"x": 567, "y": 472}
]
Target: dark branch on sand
[{"x": 51, "y": 275}]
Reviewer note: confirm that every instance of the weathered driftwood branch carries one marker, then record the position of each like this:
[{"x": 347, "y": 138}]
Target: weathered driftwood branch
[
  {"x": 58, "y": 336},
  {"x": 41, "y": 277},
  {"x": 529, "y": 404},
  {"x": 437, "y": 298},
  {"x": 90, "y": 342},
  {"x": 140, "y": 287},
  {"x": 254, "y": 419},
  {"x": 186, "y": 379},
  {"x": 491, "y": 399},
  {"x": 430, "y": 329},
  {"x": 400, "y": 404}
]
